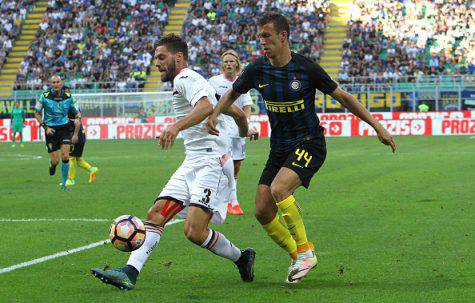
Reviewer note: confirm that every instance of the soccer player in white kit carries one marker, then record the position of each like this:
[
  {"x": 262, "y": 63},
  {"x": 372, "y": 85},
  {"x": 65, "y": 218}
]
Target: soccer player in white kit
[
  {"x": 199, "y": 188},
  {"x": 231, "y": 67}
]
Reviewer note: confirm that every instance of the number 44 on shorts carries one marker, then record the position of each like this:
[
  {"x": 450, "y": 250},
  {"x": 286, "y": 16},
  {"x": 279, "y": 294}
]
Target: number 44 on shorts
[{"x": 306, "y": 157}]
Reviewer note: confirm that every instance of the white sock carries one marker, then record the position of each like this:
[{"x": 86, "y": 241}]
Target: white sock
[
  {"x": 233, "y": 197},
  {"x": 153, "y": 233},
  {"x": 217, "y": 243}
]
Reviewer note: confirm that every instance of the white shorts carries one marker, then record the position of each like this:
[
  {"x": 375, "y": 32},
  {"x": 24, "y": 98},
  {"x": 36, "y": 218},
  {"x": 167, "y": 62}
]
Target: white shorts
[
  {"x": 237, "y": 148},
  {"x": 200, "y": 181}
]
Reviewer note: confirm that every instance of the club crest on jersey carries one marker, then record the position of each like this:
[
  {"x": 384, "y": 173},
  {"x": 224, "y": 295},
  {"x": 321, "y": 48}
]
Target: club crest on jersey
[{"x": 295, "y": 84}]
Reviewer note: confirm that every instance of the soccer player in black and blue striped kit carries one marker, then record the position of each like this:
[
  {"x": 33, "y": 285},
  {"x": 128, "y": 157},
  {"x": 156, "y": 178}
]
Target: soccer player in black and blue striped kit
[{"x": 288, "y": 82}]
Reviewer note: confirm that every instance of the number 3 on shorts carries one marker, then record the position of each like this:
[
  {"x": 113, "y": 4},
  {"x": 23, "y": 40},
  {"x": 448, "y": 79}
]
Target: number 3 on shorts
[
  {"x": 205, "y": 198},
  {"x": 305, "y": 155}
]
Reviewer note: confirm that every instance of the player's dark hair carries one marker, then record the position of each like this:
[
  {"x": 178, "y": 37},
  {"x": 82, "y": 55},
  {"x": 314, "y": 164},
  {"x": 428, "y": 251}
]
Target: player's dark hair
[
  {"x": 174, "y": 44},
  {"x": 279, "y": 22}
]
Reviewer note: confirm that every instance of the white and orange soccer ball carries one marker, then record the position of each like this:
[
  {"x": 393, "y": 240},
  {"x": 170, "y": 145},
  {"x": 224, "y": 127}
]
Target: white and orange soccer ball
[{"x": 127, "y": 233}]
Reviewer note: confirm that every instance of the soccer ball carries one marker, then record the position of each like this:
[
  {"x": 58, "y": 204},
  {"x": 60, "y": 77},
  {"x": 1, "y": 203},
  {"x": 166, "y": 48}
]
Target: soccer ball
[{"x": 127, "y": 233}]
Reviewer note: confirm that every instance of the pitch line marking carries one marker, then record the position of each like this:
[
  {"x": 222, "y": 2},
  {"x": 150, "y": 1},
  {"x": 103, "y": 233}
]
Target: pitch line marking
[
  {"x": 65, "y": 253},
  {"x": 54, "y": 220}
]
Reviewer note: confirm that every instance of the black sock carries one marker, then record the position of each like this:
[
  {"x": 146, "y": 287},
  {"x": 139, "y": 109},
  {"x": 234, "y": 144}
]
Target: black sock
[{"x": 131, "y": 272}]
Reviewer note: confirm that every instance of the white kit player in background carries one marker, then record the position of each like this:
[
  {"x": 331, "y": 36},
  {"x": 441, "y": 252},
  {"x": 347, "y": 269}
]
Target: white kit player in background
[
  {"x": 199, "y": 188},
  {"x": 231, "y": 67}
]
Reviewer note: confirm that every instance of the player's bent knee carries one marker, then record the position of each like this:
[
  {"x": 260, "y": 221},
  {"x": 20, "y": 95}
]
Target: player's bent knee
[
  {"x": 194, "y": 233},
  {"x": 279, "y": 191},
  {"x": 264, "y": 216}
]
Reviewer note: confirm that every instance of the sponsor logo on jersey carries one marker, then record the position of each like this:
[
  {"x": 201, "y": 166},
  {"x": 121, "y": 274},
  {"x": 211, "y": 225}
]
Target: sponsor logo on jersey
[
  {"x": 262, "y": 85},
  {"x": 284, "y": 107}
]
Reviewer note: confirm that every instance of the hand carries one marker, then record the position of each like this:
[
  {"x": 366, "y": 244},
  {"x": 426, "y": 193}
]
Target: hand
[
  {"x": 168, "y": 136},
  {"x": 253, "y": 134},
  {"x": 385, "y": 137},
  {"x": 75, "y": 139},
  {"x": 211, "y": 125},
  {"x": 49, "y": 130}
]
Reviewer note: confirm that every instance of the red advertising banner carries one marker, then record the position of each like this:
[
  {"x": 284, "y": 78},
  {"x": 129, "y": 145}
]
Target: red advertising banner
[{"x": 335, "y": 125}]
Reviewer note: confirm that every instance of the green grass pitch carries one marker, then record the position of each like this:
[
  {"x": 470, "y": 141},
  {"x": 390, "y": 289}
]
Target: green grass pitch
[{"x": 388, "y": 228}]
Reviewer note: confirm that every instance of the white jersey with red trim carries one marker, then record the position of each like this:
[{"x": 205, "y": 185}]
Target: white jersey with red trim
[
  {"x": 221, "y": 85},
  {"x": 188, "y": 88}
]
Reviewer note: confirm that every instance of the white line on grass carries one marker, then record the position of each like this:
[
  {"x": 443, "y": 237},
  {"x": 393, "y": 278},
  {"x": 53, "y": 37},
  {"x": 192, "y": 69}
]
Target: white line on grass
[
  {"x": 54, "y": 220},
  {"x": 64, "y": 253}
]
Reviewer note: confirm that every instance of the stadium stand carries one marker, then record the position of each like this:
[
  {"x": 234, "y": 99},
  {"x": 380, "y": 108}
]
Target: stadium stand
[
  {"x": 107, "y": 42},
  {"x": 175, "y": 24},
  {"x": 233, "y": 24},
  {"x": 12, "y": 16},
  {"x": 388, "y": 40},
  {"x": 12, "y": 19}
]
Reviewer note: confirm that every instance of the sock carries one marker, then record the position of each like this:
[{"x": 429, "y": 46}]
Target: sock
[
  {"x": 233, "y": 197},
  {"x": 153, "y": 233},
  {"x": 217, "y": 243},
  {"x": 281, "y": 235},
  {"x": 131, "y": 272},
  {"x": 72, "y": 168},
  {"x": 293, "y": 219},
  {"x": 64, "y": 171},
  {"x": 82, "y": 163}
]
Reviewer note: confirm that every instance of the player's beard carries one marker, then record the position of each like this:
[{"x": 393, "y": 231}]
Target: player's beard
[{"x": 170, "y": 74}]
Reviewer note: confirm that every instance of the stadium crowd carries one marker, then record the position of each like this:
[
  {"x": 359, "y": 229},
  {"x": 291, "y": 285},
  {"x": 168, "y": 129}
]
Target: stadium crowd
[
  {"x": 12, "y": 15},
  {"x": 95, "y": 41},
  {"x": 215, "y": 26},
  {"x": 390, "y": 39}
]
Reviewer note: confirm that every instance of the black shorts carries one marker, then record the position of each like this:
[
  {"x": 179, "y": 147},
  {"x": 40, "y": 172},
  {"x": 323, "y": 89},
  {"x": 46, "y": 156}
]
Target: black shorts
[
  {"x": 62, "y": 135},
  {"x": 78, "y": 148},
  {"x": 306, "y": 159}
]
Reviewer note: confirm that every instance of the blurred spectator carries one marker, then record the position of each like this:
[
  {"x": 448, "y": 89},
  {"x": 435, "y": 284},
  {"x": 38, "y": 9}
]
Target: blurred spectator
[
  {"x": 95, "y": 41},
  {"x": 214, "y": 26},
  {"x": 12, "y": 15},
  {"x": 389, "y": 39}
]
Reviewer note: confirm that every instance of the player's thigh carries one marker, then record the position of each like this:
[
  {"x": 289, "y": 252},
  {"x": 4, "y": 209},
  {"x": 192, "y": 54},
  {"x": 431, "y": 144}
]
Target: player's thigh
[
  {"x": 265, "y": 208},
  {"x": 77, "y": 149},
  {"x": 285, "y": 183},
  {"x": 53, "y": 142},
  {"x": 305, "y": 161},
  {"x": 177, "y": 186},
  {"x": 163, "y": 210},
  {"x": 211, "y": 188}
]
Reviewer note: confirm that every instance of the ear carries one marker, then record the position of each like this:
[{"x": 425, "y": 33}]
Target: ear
[
  {"x": 179, "y": 57},
  {"x": 284, "y": 36}
]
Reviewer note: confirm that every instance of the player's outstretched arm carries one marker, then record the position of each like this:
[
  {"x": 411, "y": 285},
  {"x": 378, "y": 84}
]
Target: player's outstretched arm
[
  {"x": 350, "y": 102},
  {"x": 202, "y": 109},
  {"x": 240, "y": 118},
  {"x": 224, "y": 103}
]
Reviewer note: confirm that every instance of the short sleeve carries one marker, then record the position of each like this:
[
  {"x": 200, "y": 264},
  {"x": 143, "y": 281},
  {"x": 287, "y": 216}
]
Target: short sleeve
[
  {"x": 245, "y": 81},
  {"x": 39, "y": 104},
  {"x": 190, "y": 88},
  {"x": 321, "y": 80},
  {"x": 74, "y": 107},
  {"x": 246, "y": 99}
]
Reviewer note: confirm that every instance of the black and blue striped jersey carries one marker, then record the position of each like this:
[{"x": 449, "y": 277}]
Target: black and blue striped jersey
[{"x": 289, "y": 97}]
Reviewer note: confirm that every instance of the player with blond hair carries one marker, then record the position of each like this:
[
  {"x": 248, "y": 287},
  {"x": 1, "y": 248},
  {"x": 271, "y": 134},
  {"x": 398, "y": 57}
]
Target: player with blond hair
[{"x": 231, "y": 68}]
